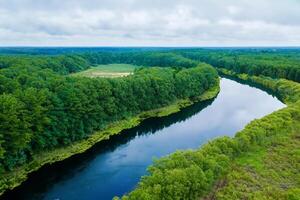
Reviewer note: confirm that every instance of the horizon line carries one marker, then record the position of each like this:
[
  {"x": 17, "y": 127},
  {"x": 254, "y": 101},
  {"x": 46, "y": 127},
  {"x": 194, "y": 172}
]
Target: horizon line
[{"x": 66, "y": 46}]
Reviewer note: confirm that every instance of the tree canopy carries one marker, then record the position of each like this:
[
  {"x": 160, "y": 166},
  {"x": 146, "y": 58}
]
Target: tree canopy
[{"x": 42, "y": 107}]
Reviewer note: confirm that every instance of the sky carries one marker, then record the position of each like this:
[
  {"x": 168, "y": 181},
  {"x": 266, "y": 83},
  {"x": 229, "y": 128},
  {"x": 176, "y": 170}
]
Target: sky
[{"x": 150, "y": 23}]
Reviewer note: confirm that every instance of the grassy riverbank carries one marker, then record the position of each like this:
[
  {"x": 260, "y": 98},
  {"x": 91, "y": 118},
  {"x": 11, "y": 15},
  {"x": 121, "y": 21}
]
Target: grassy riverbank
[
  {"x": 262, "y": 158},
  {"x": 271, "y": 171},
  {"x": 13, "y": 179}
]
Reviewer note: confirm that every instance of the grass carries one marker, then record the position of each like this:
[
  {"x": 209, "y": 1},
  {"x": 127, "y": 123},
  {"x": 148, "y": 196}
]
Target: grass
[
  {"x": 108, "y": 71},
  {"x": 265, "y": 173}
]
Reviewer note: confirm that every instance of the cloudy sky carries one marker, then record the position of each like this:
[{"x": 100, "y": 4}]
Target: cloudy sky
[{"x": 150, "y": 22}]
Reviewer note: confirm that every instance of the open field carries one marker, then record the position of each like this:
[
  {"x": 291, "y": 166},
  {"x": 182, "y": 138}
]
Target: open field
[{"x": 108, "y": 71}]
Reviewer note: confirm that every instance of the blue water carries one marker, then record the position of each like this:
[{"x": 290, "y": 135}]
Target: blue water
[{"x": 114, "y": 167}]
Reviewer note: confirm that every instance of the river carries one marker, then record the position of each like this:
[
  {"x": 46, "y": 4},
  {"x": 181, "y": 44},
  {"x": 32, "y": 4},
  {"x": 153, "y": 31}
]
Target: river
[{"x": 114, "y": 167}]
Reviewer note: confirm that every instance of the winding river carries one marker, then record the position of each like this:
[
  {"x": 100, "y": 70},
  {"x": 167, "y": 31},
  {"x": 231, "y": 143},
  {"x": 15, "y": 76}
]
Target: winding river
[{"x": 114, "y": 167}]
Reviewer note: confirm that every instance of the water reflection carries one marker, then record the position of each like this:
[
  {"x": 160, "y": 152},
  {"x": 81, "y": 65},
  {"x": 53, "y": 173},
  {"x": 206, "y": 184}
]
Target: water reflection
[{"x": 114, "y": 167}]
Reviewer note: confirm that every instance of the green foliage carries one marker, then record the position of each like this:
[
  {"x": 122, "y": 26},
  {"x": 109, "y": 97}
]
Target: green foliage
[
  {"x": 62, "y": 64},
  {"x": 193, "y": 174},
  {"x": 149, "y": 59},
  {"x": 42, "y": 110},
  {"x": 265, "y": 173},
  {"x": 287, "y": 91},
  {"x": 71, "y": 63},
  {"x": 275, "y": 64}
]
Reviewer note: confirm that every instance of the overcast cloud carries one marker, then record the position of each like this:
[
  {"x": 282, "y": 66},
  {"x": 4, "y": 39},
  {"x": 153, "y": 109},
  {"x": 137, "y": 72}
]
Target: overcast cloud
[{"x": 150, "y": 22}]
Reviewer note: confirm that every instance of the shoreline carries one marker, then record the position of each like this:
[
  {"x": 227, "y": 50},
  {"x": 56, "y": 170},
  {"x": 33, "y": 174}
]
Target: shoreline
[
  {"x": 257, "y": 133},
  {"x": 15, "y": 178}
]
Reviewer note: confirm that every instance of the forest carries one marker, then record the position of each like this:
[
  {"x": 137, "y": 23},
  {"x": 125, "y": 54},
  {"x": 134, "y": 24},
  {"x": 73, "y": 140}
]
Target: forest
[
  {"x": 278, "y": 63},
  {"x": 149, "y": 100},
  {"x": 43, "y": 108}
]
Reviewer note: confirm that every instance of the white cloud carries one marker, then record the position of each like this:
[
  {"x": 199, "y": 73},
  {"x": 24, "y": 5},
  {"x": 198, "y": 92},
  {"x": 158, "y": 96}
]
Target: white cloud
[
  {"x": 150, "y": 22},
  {"x": 233, "y": 10}
]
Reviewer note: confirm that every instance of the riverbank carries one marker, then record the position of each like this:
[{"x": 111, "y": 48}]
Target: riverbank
[
  {"x": 269, "y": 171},
  {"x": 287, "y": 91},
  {"x": 202, "y": 173},
  {"x": 16, "y": 177}
]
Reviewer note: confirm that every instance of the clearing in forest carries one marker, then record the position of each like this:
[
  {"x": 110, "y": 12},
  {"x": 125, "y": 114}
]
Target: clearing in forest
[{"x": 108, "y": 71}]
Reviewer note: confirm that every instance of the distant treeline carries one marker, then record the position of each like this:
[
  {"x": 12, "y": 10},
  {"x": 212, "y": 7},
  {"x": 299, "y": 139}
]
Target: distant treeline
[
  {"x": 41, "y": 108},
  {"x": 275, "y": 63},
  {"x": 70, "y": 63},
  {"x": 77, "y": 50}
]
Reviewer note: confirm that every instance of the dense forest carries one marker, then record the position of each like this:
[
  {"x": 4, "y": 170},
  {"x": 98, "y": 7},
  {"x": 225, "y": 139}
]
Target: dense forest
[
  {"x": 41, "y": 107},
  {"x": 275, "y": 63},
  {"x": 70, "y": 63}
]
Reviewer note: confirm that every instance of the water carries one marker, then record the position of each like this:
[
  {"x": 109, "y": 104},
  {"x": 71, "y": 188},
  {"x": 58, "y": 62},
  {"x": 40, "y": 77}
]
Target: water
[{"x": 114, "y": 167}]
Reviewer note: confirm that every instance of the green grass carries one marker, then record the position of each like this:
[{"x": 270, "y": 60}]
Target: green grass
[
  {"x": 265, "y": 173},
  {"x": 108, "y": 71},
  {"x": 271, "y": 171}
]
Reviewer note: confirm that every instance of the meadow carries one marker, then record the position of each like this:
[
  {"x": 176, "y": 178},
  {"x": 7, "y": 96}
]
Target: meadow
[{"x": 108, "y": 71}]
